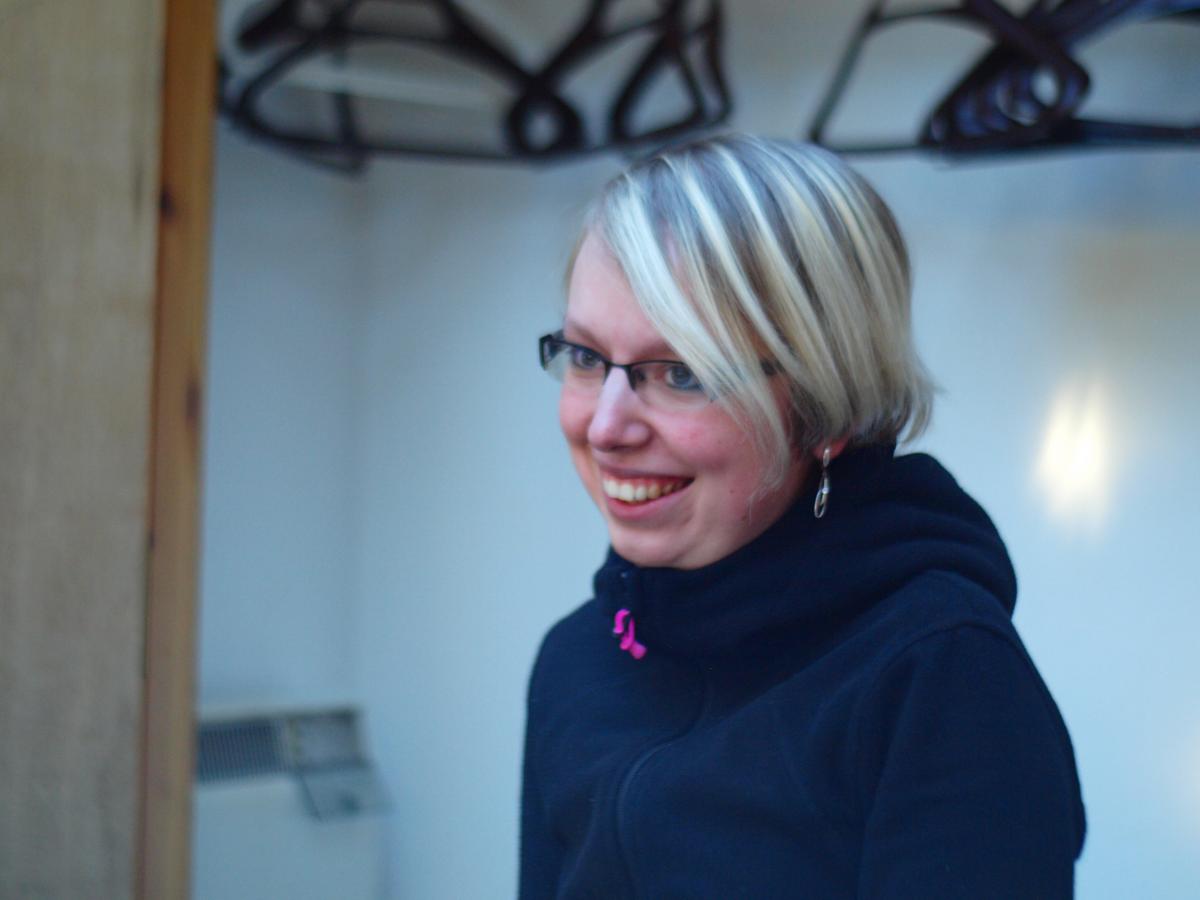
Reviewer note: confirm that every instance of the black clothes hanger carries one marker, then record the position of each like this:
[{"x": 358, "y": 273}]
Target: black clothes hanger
[
  {"x": 540, "y": 123},
  {"x": 1026, "y": 91}
]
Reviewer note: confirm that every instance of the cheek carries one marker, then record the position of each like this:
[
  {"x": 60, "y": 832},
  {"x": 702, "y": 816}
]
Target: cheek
[
  {"x": 714, "y": 448},
  {"x": 574, "y": 418},
  {"x": 723, "y": 452}
]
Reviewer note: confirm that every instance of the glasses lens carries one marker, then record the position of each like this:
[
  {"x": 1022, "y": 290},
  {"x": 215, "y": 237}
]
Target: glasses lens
[
  {"x": 572, "y": 365},
  {"x": 552, "y": 357},
  {"x": 670, "y": 385}
]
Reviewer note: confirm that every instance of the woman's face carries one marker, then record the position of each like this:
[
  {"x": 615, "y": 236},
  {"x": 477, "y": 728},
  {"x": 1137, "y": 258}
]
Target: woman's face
[{"x": 697, "y": 469}]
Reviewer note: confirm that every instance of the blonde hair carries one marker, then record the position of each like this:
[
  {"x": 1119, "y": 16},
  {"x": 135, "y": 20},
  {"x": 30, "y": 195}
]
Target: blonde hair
[{"x": 760, "y": 259}]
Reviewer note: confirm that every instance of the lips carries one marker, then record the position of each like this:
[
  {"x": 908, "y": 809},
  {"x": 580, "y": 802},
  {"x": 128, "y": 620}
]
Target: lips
[{"x": 641, "y": 489}]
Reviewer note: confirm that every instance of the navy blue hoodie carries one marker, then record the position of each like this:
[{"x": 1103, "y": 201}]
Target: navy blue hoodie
[{"x": 841, "y": 708}]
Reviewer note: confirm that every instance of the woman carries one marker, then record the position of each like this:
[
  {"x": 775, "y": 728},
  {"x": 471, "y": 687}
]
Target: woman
[{"x": 798, "y": 676}]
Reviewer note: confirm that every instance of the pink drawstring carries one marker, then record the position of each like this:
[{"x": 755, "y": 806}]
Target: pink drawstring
[{"x": 636, "y": 649}]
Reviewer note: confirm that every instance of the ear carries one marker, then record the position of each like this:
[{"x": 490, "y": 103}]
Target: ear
[{"x": 835, "y": 446}]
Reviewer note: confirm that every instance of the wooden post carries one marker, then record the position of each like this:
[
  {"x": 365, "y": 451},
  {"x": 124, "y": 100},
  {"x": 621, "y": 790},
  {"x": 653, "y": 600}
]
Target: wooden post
[
  {"x": 103, "y": 280},
  {"x": 185, "y": 199},
  {"x": 80, "y": 103}
]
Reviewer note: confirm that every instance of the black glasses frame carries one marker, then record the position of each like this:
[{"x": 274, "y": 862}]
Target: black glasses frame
[
  {"x": 546, "y": 341},
  {"x": 556, "y": 337}
]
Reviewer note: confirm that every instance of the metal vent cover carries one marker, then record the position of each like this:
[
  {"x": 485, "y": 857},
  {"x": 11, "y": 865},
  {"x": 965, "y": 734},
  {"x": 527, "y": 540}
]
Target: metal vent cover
[{"x": 320, "y": 748}]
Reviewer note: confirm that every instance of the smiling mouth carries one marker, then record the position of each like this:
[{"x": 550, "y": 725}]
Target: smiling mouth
[{"x": 642, "y": 490}]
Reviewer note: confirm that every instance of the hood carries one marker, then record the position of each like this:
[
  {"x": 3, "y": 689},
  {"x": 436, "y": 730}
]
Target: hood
[{"x": 890, "y": 518}]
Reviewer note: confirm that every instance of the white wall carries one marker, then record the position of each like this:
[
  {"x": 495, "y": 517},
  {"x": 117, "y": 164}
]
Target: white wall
[
  {"x": 1063, "y": 333},
  {"x": 391, "y": 516},
  {"x": 280, "y": 529},
  {"x": 476, "y": 535}
]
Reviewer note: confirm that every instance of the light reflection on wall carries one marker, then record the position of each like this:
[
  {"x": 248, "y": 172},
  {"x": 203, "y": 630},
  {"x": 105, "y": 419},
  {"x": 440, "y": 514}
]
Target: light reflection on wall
[{"x": 1075, "y": 465}]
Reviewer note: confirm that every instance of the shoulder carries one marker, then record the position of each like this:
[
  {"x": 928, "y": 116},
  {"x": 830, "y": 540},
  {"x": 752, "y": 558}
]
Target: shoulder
[
  {"x": 935, "y": 609},
  {"x": 959, "y": 746},
  {"x": 961, "y": 668},
  {"x": 566, "y": 637},
  {"x": 576, "y": 655},
  {"x": 944, "y": 635},
  {"x": 956, "y": 695}
]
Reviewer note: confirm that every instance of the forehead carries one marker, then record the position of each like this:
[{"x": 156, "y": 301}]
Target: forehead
[{"x": 602, "y": 310}]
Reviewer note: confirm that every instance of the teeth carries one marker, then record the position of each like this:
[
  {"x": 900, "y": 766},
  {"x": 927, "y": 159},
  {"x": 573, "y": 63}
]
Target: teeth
[{"x": 638, "y": 491}]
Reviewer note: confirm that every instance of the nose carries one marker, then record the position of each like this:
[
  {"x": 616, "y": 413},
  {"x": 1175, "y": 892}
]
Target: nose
[{"x": 618, "y": 420}]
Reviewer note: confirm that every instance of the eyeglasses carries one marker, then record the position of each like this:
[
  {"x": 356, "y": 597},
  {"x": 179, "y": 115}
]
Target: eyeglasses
[{"x": 661, "y": 383}]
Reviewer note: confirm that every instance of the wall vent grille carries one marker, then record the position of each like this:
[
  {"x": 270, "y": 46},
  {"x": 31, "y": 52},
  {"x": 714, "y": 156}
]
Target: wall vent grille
[
  {"x": 320, "y": 749},
  {"x": 238, "y": 749}
]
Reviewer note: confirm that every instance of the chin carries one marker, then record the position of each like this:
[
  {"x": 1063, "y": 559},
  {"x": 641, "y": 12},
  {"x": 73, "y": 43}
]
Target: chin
[{"x": 647, "y": 551}]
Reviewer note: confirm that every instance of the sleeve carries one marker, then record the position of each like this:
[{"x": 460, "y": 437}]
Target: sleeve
[
  {"x": 969, "y": 779},
  {"x": 541, "y": 852}
]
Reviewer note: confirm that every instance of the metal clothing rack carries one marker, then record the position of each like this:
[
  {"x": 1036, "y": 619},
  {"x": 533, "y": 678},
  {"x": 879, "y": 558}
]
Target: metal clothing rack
[
  {"x": 1026, "y": 91},
  {"x": 540, "y": 124}
]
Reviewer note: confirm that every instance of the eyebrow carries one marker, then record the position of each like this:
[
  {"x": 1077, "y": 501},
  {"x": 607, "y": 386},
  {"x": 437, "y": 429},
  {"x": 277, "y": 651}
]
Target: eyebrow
[{"x": 660, "y": 351}]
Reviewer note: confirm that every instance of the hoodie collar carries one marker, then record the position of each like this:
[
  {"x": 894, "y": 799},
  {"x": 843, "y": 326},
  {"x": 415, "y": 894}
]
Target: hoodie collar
[{"x": 890, "y": 518}]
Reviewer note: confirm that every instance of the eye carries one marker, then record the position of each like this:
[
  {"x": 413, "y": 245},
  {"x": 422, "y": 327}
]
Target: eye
[
  {"x": 584, "y": 359},
  {"x": 679, "y": 377}
]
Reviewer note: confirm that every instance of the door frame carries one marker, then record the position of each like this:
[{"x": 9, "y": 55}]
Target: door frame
[{"x": 189, "y": 85}]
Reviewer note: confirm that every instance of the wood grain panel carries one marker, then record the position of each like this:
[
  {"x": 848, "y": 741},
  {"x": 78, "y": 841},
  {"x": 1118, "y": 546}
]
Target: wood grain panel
[{"x": 79, "y": 149}]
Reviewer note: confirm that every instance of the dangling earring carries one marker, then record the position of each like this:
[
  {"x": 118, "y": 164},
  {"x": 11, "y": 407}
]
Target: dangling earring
[{"x": 821, "y": 501}]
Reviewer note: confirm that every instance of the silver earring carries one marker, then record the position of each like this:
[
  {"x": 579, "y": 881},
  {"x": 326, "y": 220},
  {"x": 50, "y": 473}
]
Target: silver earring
[{"x": 821, "y": 501}]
